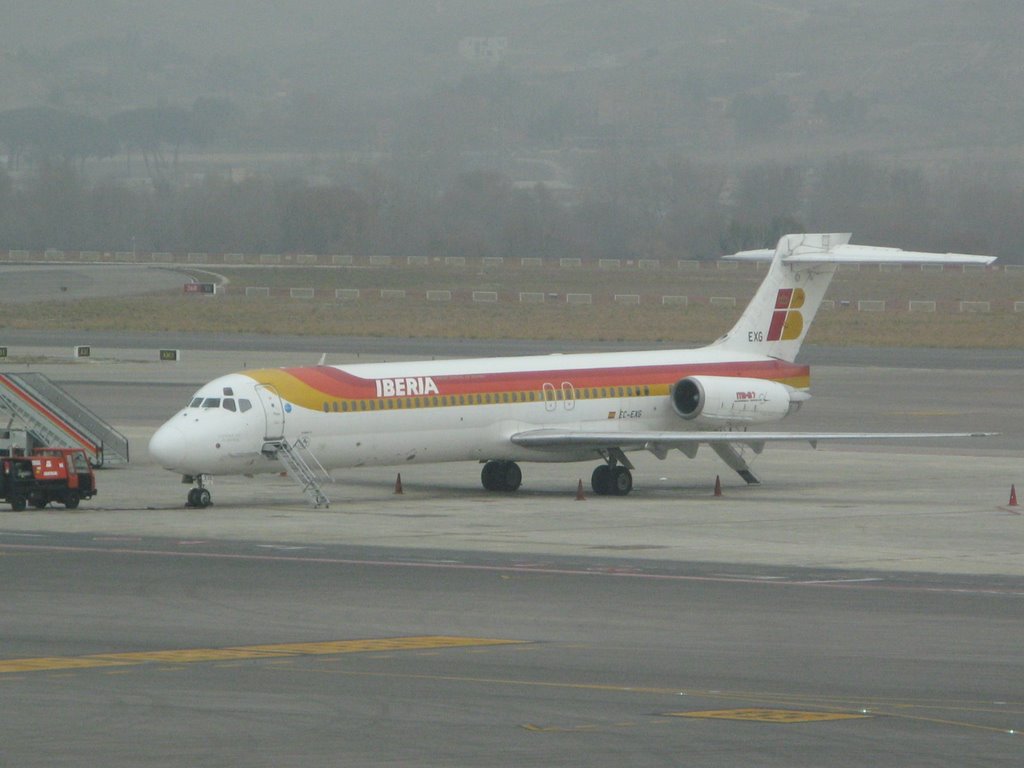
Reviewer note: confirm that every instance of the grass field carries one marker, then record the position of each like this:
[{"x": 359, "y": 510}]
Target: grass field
[{"x": 648, "y": 321}]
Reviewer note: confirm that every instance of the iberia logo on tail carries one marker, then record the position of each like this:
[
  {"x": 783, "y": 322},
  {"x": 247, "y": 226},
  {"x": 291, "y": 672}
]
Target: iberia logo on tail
[{"x": 787, "y": 322}]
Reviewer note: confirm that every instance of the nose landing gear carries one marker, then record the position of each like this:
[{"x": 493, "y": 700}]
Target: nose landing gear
[{"x": 198, "y": 497}]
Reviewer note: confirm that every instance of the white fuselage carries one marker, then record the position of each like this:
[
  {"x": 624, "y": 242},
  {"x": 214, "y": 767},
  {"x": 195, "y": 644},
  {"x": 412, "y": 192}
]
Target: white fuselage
[{"x": 440, "y": 411}]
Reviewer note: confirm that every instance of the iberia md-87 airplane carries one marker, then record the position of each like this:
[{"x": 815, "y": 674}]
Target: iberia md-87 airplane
[{"x": 545, "y": 408}]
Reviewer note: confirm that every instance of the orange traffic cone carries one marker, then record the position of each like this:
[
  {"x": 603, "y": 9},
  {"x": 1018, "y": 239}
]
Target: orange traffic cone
[
  {"x": 579, "y": 491},
  {"x": 718, "y": 486},
  {"x": 398, "y": 484},
  {"x": 1013, "y": 497}
]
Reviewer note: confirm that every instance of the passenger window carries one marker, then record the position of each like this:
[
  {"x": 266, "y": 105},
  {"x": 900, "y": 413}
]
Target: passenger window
[
  {"x": 229, "y": 404},
  {"x": 211, "y": 402},
  {"x": 243, "y": 404}
]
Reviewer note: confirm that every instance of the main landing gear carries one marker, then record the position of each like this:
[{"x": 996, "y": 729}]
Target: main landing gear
[
  {"x": 607, "y": 480},
  {"x": 611, "y": 480},
  {"x": 501, "y": 476},
  {"x": 198, "y": 497}
]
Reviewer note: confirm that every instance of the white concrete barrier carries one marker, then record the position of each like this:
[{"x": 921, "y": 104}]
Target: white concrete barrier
[
  {"x": 870, "y": 305},
  {"x": 975, "y": 306}
]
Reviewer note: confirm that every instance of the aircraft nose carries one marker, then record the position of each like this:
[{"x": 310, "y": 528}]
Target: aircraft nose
[{"x": 167, "y": 446}]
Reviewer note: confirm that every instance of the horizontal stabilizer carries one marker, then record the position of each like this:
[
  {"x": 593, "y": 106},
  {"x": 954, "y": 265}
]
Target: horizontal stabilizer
[{"x": 862, "y": 254}]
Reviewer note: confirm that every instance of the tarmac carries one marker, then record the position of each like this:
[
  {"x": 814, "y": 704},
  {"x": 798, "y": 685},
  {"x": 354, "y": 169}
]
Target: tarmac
[{"x": 938, "y": 506}]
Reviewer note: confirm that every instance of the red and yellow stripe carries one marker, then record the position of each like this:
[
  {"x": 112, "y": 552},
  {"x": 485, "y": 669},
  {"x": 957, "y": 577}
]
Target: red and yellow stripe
[{"x": 333, "y": 389}]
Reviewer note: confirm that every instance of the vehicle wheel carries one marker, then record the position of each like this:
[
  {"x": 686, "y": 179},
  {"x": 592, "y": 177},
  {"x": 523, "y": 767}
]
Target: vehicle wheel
[
  {"x": 71, "y": 500},
  {"x": 601, "y": 480},
  {"x": 18, "y": 504},
  {"x": 193, "y": 500},
  {"x": 622, "y": 481},
  {"x": 39, "y": 502}
]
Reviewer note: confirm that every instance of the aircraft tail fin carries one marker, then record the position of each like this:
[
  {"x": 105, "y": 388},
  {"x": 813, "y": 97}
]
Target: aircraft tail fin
[{"x": 777, "y": 319}]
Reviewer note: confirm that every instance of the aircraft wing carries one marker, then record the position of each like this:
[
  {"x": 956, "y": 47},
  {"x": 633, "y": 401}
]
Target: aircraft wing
[{"x": 598, "y": 440}]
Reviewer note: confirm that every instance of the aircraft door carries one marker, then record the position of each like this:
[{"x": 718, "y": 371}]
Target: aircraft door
[{"x": 273, "y": 408}]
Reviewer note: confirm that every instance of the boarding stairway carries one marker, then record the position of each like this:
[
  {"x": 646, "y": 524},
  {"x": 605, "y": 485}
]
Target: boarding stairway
[
  {"x": 55, "y": 418},
  {"x": 298, "y": 468}
]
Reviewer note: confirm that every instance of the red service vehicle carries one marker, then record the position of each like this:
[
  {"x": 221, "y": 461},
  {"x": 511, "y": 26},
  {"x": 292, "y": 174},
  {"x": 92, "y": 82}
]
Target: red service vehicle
[{"x": 63, "y": 475}]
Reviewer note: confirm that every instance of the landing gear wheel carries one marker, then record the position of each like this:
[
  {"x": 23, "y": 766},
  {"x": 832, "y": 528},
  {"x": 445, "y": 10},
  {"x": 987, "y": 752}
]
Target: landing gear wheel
[
  {"x": 489, "y": 476},
  {"x": 611, "y": 481},
  {"x": 199, "y": 498},
  {"x": 501, "y": 476},
  {"x": 512, "y": 476},
  {"x": 601, "y": 480},
  {"x": 622, "y": 481}
]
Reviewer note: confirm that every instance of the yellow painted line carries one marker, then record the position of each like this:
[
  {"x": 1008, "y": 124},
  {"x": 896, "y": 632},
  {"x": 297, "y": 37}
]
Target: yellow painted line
[
  {"x": 49, "y": 664},
  {"x": 187, "y": 656},
  {"x": 769, "y": 715},
  {"x": 275, "y": 651},
  {"x": 384, "y": 644}
]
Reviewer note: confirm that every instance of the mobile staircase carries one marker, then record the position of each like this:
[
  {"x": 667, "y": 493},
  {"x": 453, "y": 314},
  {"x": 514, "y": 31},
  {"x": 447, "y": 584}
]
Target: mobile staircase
[
  {"x": 291, "y": 457},
  {"x": 53, "y": 417}
]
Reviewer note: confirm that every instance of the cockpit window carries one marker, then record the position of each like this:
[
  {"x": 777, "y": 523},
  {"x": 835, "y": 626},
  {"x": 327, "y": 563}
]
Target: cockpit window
[
  {"x": 196, "y": 402},
  {"x": 243, "y": 404},
  {"x": 229, "y": 404},
  {"x": 211, "y": 402}
]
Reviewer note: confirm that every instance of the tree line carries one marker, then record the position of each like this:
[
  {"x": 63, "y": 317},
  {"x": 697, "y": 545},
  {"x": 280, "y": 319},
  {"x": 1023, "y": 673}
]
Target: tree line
[
  {"x": 618, "y": 208},
  {"x": 45, "y": 134}
]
